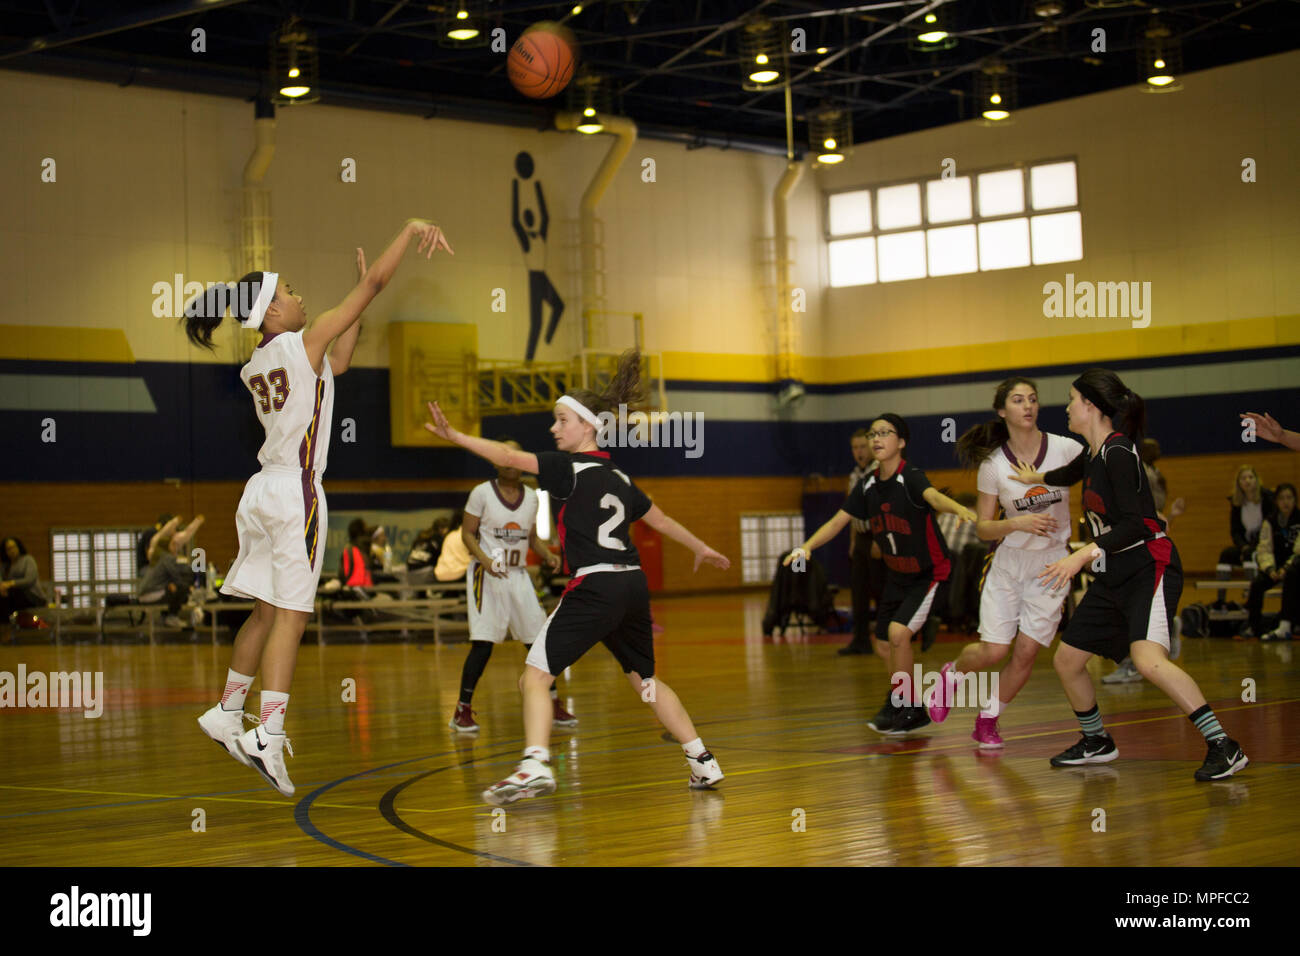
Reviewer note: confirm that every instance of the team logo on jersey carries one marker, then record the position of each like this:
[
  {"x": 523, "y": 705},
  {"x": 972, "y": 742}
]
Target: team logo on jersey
[
  {"x": 1038, "y": 499},
  {"x": 1093, "y": 502},
  {"x": 511, "y": 533}
]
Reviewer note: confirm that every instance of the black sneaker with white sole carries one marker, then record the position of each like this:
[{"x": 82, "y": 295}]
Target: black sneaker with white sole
[
  {"x": 909, "y": 719},
  {"x": 1088, "y": 749},
  {"x": 1223, "y": 760},
  {"x": 884, "y": 720}
]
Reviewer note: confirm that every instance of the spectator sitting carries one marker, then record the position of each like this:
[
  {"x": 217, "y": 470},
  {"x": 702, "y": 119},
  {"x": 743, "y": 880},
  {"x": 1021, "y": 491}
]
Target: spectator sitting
[
  {"x": 1252, "y": 505},
  {"x": 147, "y": 542},
  {"x": 354, "y": 569},
  {"x": 19, "y": 589},
  {"x": 1278, "y": 556},
  {"x": 169, "y": 578},
  {"x": 160, "y": 542},
  {"x": 427, "y": 547},
  {"x": 453, "y": 562},
  {"x": 381, "y": 553}
]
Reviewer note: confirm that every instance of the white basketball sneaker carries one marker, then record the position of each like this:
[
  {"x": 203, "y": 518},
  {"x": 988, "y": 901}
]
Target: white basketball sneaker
[
  {"x": 705, "y": 771},
  {"x": 226, "y": 727},
  {"x": 531, "y": 778},
  {"x": 266, "y": 751}
]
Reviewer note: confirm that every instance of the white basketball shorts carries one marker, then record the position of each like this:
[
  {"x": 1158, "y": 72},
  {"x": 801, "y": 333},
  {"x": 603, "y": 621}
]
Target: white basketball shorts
[
  {"x": 500, "y": 604},
  {"x": 1014, "y": 599},
  {"x": 280, "y": 520}
]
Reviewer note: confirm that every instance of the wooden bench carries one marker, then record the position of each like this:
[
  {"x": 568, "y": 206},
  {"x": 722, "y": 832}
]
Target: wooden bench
[
  {"x": 1229, "y": 615},
  {"x": 413, "y": 614}
]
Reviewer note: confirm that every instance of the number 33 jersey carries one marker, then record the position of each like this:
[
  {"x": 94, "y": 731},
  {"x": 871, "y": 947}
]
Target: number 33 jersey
[
  {"x": 293, "y": 403},
  {"x": 597, "y": 505}
]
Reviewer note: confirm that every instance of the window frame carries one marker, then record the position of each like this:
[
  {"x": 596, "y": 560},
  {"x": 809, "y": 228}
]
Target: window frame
[{"x": 1027, "y": 213}]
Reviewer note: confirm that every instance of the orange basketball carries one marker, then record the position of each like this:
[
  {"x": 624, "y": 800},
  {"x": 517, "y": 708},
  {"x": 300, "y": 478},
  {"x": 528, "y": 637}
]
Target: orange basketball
[{"x": 541, "y": 61}]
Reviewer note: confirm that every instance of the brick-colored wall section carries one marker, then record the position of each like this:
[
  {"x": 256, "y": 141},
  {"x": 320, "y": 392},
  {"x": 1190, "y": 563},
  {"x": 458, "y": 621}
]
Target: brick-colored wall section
[{"x": 709, "y": 507}]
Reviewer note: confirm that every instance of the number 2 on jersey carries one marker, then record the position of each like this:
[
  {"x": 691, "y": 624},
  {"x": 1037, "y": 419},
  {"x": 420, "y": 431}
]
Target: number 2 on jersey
[{"x": 603, "y": 536}]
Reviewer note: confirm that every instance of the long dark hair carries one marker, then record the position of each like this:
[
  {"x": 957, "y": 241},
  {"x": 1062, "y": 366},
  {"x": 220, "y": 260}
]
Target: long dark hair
[
  {"x": 982, "y": 440},
  {"x": 624, "y": 388},
  {"x": 205, "y": 312},
  {"x": 1129, "y": 413},
  {"x": 4, "y": 548}
]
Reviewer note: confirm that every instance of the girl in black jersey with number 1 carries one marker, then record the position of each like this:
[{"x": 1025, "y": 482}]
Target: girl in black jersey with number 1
[
  {"x": 900, "y": 504},
  {"x": 1139, "y": 577},
  {"x": 607, "y": 601}
]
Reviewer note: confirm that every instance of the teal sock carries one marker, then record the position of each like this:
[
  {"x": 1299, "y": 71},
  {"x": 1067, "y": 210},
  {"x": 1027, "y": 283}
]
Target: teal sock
[
  {"x": 1203, "y": 719},
  {"x": 1090, "y": 721}
]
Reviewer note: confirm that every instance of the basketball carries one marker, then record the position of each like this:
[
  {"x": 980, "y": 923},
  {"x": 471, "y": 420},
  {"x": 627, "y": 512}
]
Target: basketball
[{"x": 541, "y": 61}]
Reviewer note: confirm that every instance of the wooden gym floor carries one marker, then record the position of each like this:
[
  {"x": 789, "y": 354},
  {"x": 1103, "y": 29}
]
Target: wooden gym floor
[{"x": 384, "y": 781}]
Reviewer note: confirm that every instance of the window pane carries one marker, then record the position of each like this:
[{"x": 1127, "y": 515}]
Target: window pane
[
  {"x": 1053, "y": 186},
  {"x": 1057, "y": 238},
  {"x": 899, "y": 206},
  {"x": 852, "y": 262},
  {"x": 902, "y": 256},
  {"x": 1004, "y": 245},
  {"x": 947, "y": 200},
  {"x": 1002, "y": 192},
  {"x": 952, "y": 250},
  {"x": 850, "y": 212}
]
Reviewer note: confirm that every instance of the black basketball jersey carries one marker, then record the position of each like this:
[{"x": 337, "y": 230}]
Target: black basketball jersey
[
  {"x": 597, "y": 504},
  {"x": 1121, "y": 509},
  {"x": 902, "y": 522}
]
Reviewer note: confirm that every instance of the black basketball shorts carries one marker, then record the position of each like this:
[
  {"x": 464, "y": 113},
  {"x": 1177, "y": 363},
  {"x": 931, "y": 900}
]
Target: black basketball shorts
[
  {"x": 1114, "y": 614},
  {"x": 603, "y": 607},
  {"x": 907, "y": 600}
]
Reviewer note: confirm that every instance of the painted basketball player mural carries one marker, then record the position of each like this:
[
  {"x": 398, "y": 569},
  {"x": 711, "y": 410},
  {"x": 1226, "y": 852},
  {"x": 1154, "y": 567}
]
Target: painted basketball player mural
[{"x": 532, "y": 228}]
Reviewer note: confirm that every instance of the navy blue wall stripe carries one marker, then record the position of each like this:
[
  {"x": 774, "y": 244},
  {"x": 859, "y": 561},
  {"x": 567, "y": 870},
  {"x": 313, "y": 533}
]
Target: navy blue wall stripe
[{"x": 205, "y": 430}]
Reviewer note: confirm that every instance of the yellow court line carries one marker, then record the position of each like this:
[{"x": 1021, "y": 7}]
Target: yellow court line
[{"x": 630, "y": 786}]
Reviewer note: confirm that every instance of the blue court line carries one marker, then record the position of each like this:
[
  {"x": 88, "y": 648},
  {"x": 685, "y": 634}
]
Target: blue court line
[{"x": 302, "y": 813}]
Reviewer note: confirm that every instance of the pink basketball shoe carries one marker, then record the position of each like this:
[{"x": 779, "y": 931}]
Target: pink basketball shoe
[{"x": 986, "y": 732}]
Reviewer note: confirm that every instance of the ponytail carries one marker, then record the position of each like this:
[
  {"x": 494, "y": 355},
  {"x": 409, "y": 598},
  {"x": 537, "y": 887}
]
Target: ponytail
[
  {"x": 624, "y": 388},
  {"x": 1131, "y": 416},
  {"x": 980, "y": 441},
  {"x": 206, "y": 311}
]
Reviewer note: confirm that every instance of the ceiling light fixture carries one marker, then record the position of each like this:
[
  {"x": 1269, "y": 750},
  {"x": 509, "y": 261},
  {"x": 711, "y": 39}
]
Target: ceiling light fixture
[
  {"x": 995, "y": 92},
  {"x": 295, "y": 65},
  {"x": 1161, "y": 59},
  {"x": 760, "y": 54},
  {"x": 830, "y": 133}
]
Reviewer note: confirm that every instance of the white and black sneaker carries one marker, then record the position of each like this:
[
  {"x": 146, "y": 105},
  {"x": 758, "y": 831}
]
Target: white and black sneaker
[
  {"x": 1088, "y": 749},
  {"x": 266, "y": 751},
  {"x": 705, "y": 771},
  {"x": 226, "y": 727},
  {"x": 1224, "y": 759}
]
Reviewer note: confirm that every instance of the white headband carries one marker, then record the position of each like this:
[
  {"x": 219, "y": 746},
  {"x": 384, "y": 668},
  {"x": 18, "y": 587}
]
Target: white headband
[
  {"x": 270, "y": 282},
  {"x": 583, "y": 411}
]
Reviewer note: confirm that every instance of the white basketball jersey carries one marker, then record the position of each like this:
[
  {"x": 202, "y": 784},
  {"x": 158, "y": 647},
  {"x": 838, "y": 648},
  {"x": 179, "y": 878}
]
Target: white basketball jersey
[
  {"x": 502, "y": 526},
  {"x": 293, "y": 403},
  {"x": 1020, "y": 499}
]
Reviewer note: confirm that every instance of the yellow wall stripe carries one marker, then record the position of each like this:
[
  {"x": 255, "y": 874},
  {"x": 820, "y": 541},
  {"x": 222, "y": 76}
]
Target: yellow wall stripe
[
  {"x": 1111, "y": 345},
  {"x": 64, "y": 343}
]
